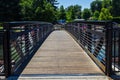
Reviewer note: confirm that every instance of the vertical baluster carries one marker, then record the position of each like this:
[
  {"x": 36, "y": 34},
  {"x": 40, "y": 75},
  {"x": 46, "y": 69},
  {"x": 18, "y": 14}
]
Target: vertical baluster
[
  {"x": 119, "y": 47},
  {"x": 6, "y": 49},
  {"x": 108, "y": 54},
  {"x": 90, "y": 38},
  {"x": 27, "y": 46},
  {"x": 114, "y": 43},
  {"x": 78, "y": 32},
  {"x": 35, "y": 35},
  {"x": 82, "y": 36}
]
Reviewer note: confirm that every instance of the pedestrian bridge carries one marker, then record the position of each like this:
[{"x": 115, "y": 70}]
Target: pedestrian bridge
[
  {"x": 79, "y": 51},
  {"x": 61, "y": 55}
]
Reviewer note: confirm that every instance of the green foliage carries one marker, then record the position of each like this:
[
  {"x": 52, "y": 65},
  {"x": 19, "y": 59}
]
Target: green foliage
[
  {"x": 116, "y": 8},
  {"x": 70, "y": 14},
  {"x": 37, "y": 10},
  {"x": 27, "y": 10},
  {"x": 109, "y": 8},
  {"x": 96, "y": 5},
  {"x": 53, "y": 3},
  {"x": 105, "y": 14},
  {"x": 49, "y": 13},
  {"x": 96, "y": 15},
  {"x": 86, "y": 14},
  {"x": 45, "y": 10},
  {"x": 9, "y": 10},
  {"x": 62, "y": 13},
  {"x": 77, "y": 10},
  {"x": 106, "y": 3},
  {"x": 73, "y": 12}
]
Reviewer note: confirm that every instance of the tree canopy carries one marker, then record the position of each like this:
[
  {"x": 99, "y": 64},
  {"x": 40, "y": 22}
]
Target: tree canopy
[
  {"x": 116, "y": 8},
  {"x": 37, "y": 10},
  {"x": 105, "y": 14},
  {"x": 47, "y": 10},
  {"x": 96, "y": 6},
  {"x": 73, "y": 12},
  {"x": 62, "y": 13},
  {"x": 9, "y": 10},
  {"x": 86, "y": 14},
  {"x": 109, "y": 10}
]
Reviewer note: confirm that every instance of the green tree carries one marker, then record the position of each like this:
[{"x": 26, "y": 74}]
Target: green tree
[
  {"x": 70, "y": 14},
  {"x": 96, "y": 5},
  {"x": 62, "y": 13},
  {"x": 27, "y": 10},
  {"x": 73, "y": 12},
  {"x": 41, "y": 10},
  {"x": 53, "y": 3},
  {"x": 86, "y": 14},
  {"x": 106, "y": 3},
  {"x": 96, "y": 15},
  {"x": 9, "y": 10},
  {"x": 49, "y": 13},
  {"x": 116, "y": 8},
  {"x": 38, "y": 13},
  {"x": 77, "y": 11},
  {"x": 105, "y": 14}
]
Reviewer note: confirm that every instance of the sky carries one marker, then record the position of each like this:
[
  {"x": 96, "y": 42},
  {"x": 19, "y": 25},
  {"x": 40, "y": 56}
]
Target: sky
[{"x": 83, "y": 3}]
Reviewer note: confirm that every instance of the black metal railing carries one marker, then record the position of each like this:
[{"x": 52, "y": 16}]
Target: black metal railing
[
  {"x": 101, "y": 40},
  {"x": 116, "y": 50},
  {"x": 20, "y": 41},
  {"x": 1, "y": 50}
]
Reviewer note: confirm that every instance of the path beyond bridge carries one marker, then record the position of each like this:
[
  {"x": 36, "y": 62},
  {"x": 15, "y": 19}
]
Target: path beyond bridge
[{"x": 60, "y": 57}]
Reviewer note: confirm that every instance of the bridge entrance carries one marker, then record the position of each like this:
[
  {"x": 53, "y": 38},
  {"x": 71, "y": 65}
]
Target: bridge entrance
[
  {"x": 21, "y": 40},
  {"x": 60, "y": 55}
]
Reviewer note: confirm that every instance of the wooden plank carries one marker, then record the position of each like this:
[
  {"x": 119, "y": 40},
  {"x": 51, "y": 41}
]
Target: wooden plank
[
  {"x": 63, "y": 77},
  {"x": 60, "y": 54}
]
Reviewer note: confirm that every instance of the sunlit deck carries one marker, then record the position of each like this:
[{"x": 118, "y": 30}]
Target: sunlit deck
[{"x": 60, "y": 57}]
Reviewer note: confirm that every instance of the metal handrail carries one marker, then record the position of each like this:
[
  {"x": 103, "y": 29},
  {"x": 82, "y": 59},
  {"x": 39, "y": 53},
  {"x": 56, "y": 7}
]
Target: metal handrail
[
  {"x": 100, "y": 40},
  {"x": 21, "y": 40}
]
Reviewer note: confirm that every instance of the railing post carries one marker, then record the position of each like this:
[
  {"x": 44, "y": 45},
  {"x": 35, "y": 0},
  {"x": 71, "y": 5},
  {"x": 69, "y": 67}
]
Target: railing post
[
  {"x": 119, "y": 49},
  {"x": 78, "y": 32},
  {"x": 82, "y": 33},
  {"x": 26, "y": 41},
  {"x": 90, "y": 38},
  {"x": 108, "y": 54},
  {"x": 6, "y": 50}
]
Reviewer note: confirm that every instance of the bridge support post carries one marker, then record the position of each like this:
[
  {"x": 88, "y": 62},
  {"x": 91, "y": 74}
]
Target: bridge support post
[
  {"x": 26, "y": 41},
  {"x": 78, "y": 32},
  {"x": 90, "y": 38},
  {"x": 108, "y": 54},
  {"x": 6, "y": 49}
]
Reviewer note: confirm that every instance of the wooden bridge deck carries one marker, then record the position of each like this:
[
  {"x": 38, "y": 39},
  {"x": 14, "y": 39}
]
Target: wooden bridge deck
[{"x": 61, "y": 55}]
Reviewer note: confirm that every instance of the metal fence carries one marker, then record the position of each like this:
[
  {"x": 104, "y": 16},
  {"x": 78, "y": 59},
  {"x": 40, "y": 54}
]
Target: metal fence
[
  {"x": 20, "y": 41},
  {"x": 116, "y": 50},
  {"x": 1, "y": 51},
  {"x": 101, "y": 40}
]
